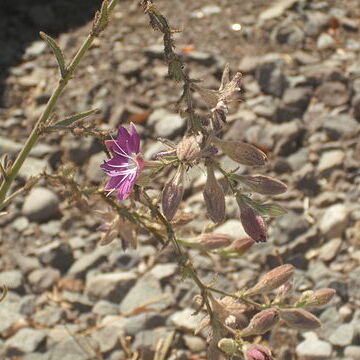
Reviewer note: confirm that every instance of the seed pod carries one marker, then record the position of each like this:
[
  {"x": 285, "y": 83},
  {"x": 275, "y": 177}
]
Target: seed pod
[
  {"x": 300, "y": 319},
  {"x": 272, "y": 280},
  {"x": 172, "y": 194},
  {"x": 188, "y": 148},
  {"x": 256, "y": 352},
  {"x": 318, "y": 297},
  {"x": 228, "y": 346},
  {"x": 265, "y": 185},
  {"x": 242, "y": 152},
  {"x": 240, "y": 246},
  {"x": 261, "y": 322},
  {"x": 254, "y": 225},
  {"x": 214, "y": 197}
]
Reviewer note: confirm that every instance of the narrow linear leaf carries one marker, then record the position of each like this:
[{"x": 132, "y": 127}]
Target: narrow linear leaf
[
  {"x": 57, "y": 51},
  {"x": 73, "y": 118}
]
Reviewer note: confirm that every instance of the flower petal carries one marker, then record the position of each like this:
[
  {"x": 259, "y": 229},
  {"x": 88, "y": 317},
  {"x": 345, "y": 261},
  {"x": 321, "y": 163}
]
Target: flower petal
[
  {"x": 115, "y": 148},
  {"x": 126, "y": 186},
  {"x": 114, "y": 183},
  {"x": 134, "y": 144}
]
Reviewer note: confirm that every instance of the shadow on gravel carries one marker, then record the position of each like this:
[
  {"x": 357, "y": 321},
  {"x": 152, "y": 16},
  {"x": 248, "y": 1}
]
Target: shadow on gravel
[{"x": 21, "y": 21}]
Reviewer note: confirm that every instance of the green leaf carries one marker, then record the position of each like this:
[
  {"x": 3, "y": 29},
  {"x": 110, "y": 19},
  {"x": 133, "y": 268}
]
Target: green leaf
[
  {"x": 57, "y": 51},
  {"x": 63, "y": 124},
  {"x": 270, "y": 210}
]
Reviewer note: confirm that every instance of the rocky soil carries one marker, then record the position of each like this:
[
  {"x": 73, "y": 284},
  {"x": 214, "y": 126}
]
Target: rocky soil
[{"x": 71, "y": 299}]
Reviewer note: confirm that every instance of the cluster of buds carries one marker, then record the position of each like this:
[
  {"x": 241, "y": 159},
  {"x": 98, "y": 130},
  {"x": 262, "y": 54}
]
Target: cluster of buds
[{"x": 257, "y": 319}]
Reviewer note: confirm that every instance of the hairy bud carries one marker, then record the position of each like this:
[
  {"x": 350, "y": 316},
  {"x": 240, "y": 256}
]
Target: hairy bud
[
  {"x": 214, "y": 197},
  {"x": 317, "y": 298},
  {"x": 172, "y": 194},
  {"x": 265, "y": 185},
  {"x": 257, "y": 352},
  {"x": 300, "y": 319},
  {"x": 242, "y": 152},
  {"x": 189, "y": 149},
  {"x": 261, "y": 322},
  {"x": 213, "y": 241},
  {"x": 239, "y": 247},
  {"x": 273, "y": 279},
  {"x": 254, "y": 225},
  {"x": 228, "y": 346}
]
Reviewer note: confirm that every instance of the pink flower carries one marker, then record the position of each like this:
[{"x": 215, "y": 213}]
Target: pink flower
[
  {"x": 257, "y": 352},
  {"x": 126, "y": 164}
]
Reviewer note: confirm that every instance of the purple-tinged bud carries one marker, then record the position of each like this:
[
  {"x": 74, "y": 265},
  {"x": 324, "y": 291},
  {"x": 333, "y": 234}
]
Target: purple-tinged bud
[
  {"x": 172, "y": 194},
  {"x": 261, "y": 323},
  {"x": 242, "y": 152},
  {"x": 240, "y": 246},
  {"x": 265, "y": 185},
  {"x": 272, "y": 280},
  {"x": 214, "y": 197},
  {"x": 254, "y": 225},
  {"x": 317, "y": 298},
  {"x": 300, "y": 319},
  {"x": 257, "y": 352},
  {"x": 228, "y": 346},
  {"x": 189, "y": 149},
  {"x": 164, "y": 154},
  {"x": 214, "y": 241}
]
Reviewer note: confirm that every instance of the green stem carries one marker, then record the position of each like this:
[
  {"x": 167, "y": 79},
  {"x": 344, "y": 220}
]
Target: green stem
[{"x": 36, "y": 131}]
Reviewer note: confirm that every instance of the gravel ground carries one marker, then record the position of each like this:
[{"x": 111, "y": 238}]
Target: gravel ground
[{"x": 70, "y": 298}]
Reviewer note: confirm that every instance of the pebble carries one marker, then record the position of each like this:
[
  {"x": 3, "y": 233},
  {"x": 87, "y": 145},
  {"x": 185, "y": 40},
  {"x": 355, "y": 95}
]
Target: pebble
[
  {"x": 185, "y": 319},
  {"x": 13, "y": 279},
  {"x": 25, "y": 341},
  {"x": 35, "y": 49},
  {"x": 166, "y": 124},
  {"x": 325, "y": 41},
  {"x": 331, "y": 160},
  {"x": 232, "y": 228},
  {"x": 334, "y": 221},
  {"x": 330, "y": 249},
  {"x": 333, "y": 93},
  {"x": 352, "y": 352},
  {"x": 33, "y": 167},
  {"x": 41, "y": 204},
  {"x": 342, "y": 335},
  {"x": 71, "y": 349},
  {"x": 314, "y": 350},
  {"x": 43, "y": 279},
  {"x": 93, "y": 171}
]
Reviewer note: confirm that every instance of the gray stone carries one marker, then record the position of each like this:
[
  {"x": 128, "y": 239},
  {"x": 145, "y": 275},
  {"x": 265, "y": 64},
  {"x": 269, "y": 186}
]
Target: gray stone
[
  {"x": 194, "y": 343},
  {"x": 49, "y": 316},
  {"x": 288, "y": 34},
  {"x": 112, "y": 286},
  {"x": 9, "y": 315},
  {"x": 333, "y": 93},
  {"x": 356, "y": 106},
  {"x": 25, "y": 341},
  {"x": 232, "y": 228},
  {"x": 36, "y": 356},
  {"x": 88, "y": 261},
  {"x": 276, "y": 9},
  {"x": 33, "y": 167},
  {"x": 271, "y": 78},
  {"x": 41, "y": 204},
  {"x": 71, "y": 349},
  {"x": 340, "y": 126},
  {"x": 103, "y": 307},
  {"x": 331, "y": 160},
  {"x": 161, "y": 271},
  {"x": 20, "y": 223},
  {"x": 342, "y": 335},
  {"x": 353, "y": 352},
  {"x": 43, "y": 279},
  {"x": 316, "y": 21},
  {"x": 312, "y": 349},
  {"x": 330, "y": 320},
  {"x": 107, "y": 338},
  {"x": 325, "y": 41},
  {"x": 330, "y": 249},
  {"x": 334, "y": 221},
  {"x": 13, "y": 279},
  {"x": 146, "y": 289},
  {"x": 185, "y": 319},
  {"x": 93, "y": 171},
  {"x": 149, "y": 338},
  {"x": 166, "y": 124},
  {"x": 35, "y": 49}
]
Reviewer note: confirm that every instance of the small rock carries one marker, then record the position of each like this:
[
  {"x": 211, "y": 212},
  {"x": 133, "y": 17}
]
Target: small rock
[
  {"x": 331, "y": 160},
  {"x": 49, "y": 316},
  {"x": 340, "y": 126},
  {"x": 93, "y": 171},
  {"x": 35, "y": 49},
  {"x": 69, "y": 349},
  {"x": 325, "y": 41},
  {"x": 41, "y": 204},
  {"x": 194, "y": 343},
  {"x": 232, "y": 228},
  {"x": 145, "y": 290},
  {"x": 185, "y": 319},
  {"x": 43, "y": 279},
  {"x": 25, "y": 341},
  {"x": 276, "y": 9},
  {"x": 271, "y": 78},
  {"x": 107, "y": 338},
  {"x": 334, "y": 221},
  {"x": 112, "y": 286},
  {"x": 342, "y": 335},
  {"x": 20, "y": 223},
  {"x": 330, "y": 249},
  {"x": 33, "y": 167},
  {"x": 295, "y": 103},
  {"x": 316, "y": 22},
  {"x": 333, "y": 93},
  {"x": 166, "y": 124},
  {"x": 162, "y": 271},
  {"x": 353, "y": 352},
  {"x": 13, "y": 279},
  {"x": 103, "y": 307},
  {"x": 314, "y": 350},
  {"x": 288, "y": 34}
]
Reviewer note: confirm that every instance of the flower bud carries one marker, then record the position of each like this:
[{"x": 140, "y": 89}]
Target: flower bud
[
  {"x": 317, "y": 298},
  {"x": 254, "y": 225},
  {"x": 188, "y": 148},
  {"x": 228, "y": 346},
  {"x": 272, "y": 280},
  {"x": 300, "y": 319},
  {"x": 257, "y": 352},
  {"x": 214, "y": 241},
  {"x": 214, "y": 197},
  {"x": 261, "y": 322},
  {"x": 172, "y": 194},
  {"x": 239, "y": 247},
  {"x": 242, "y": 152},
  {"x": 265, "y": 185}
]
